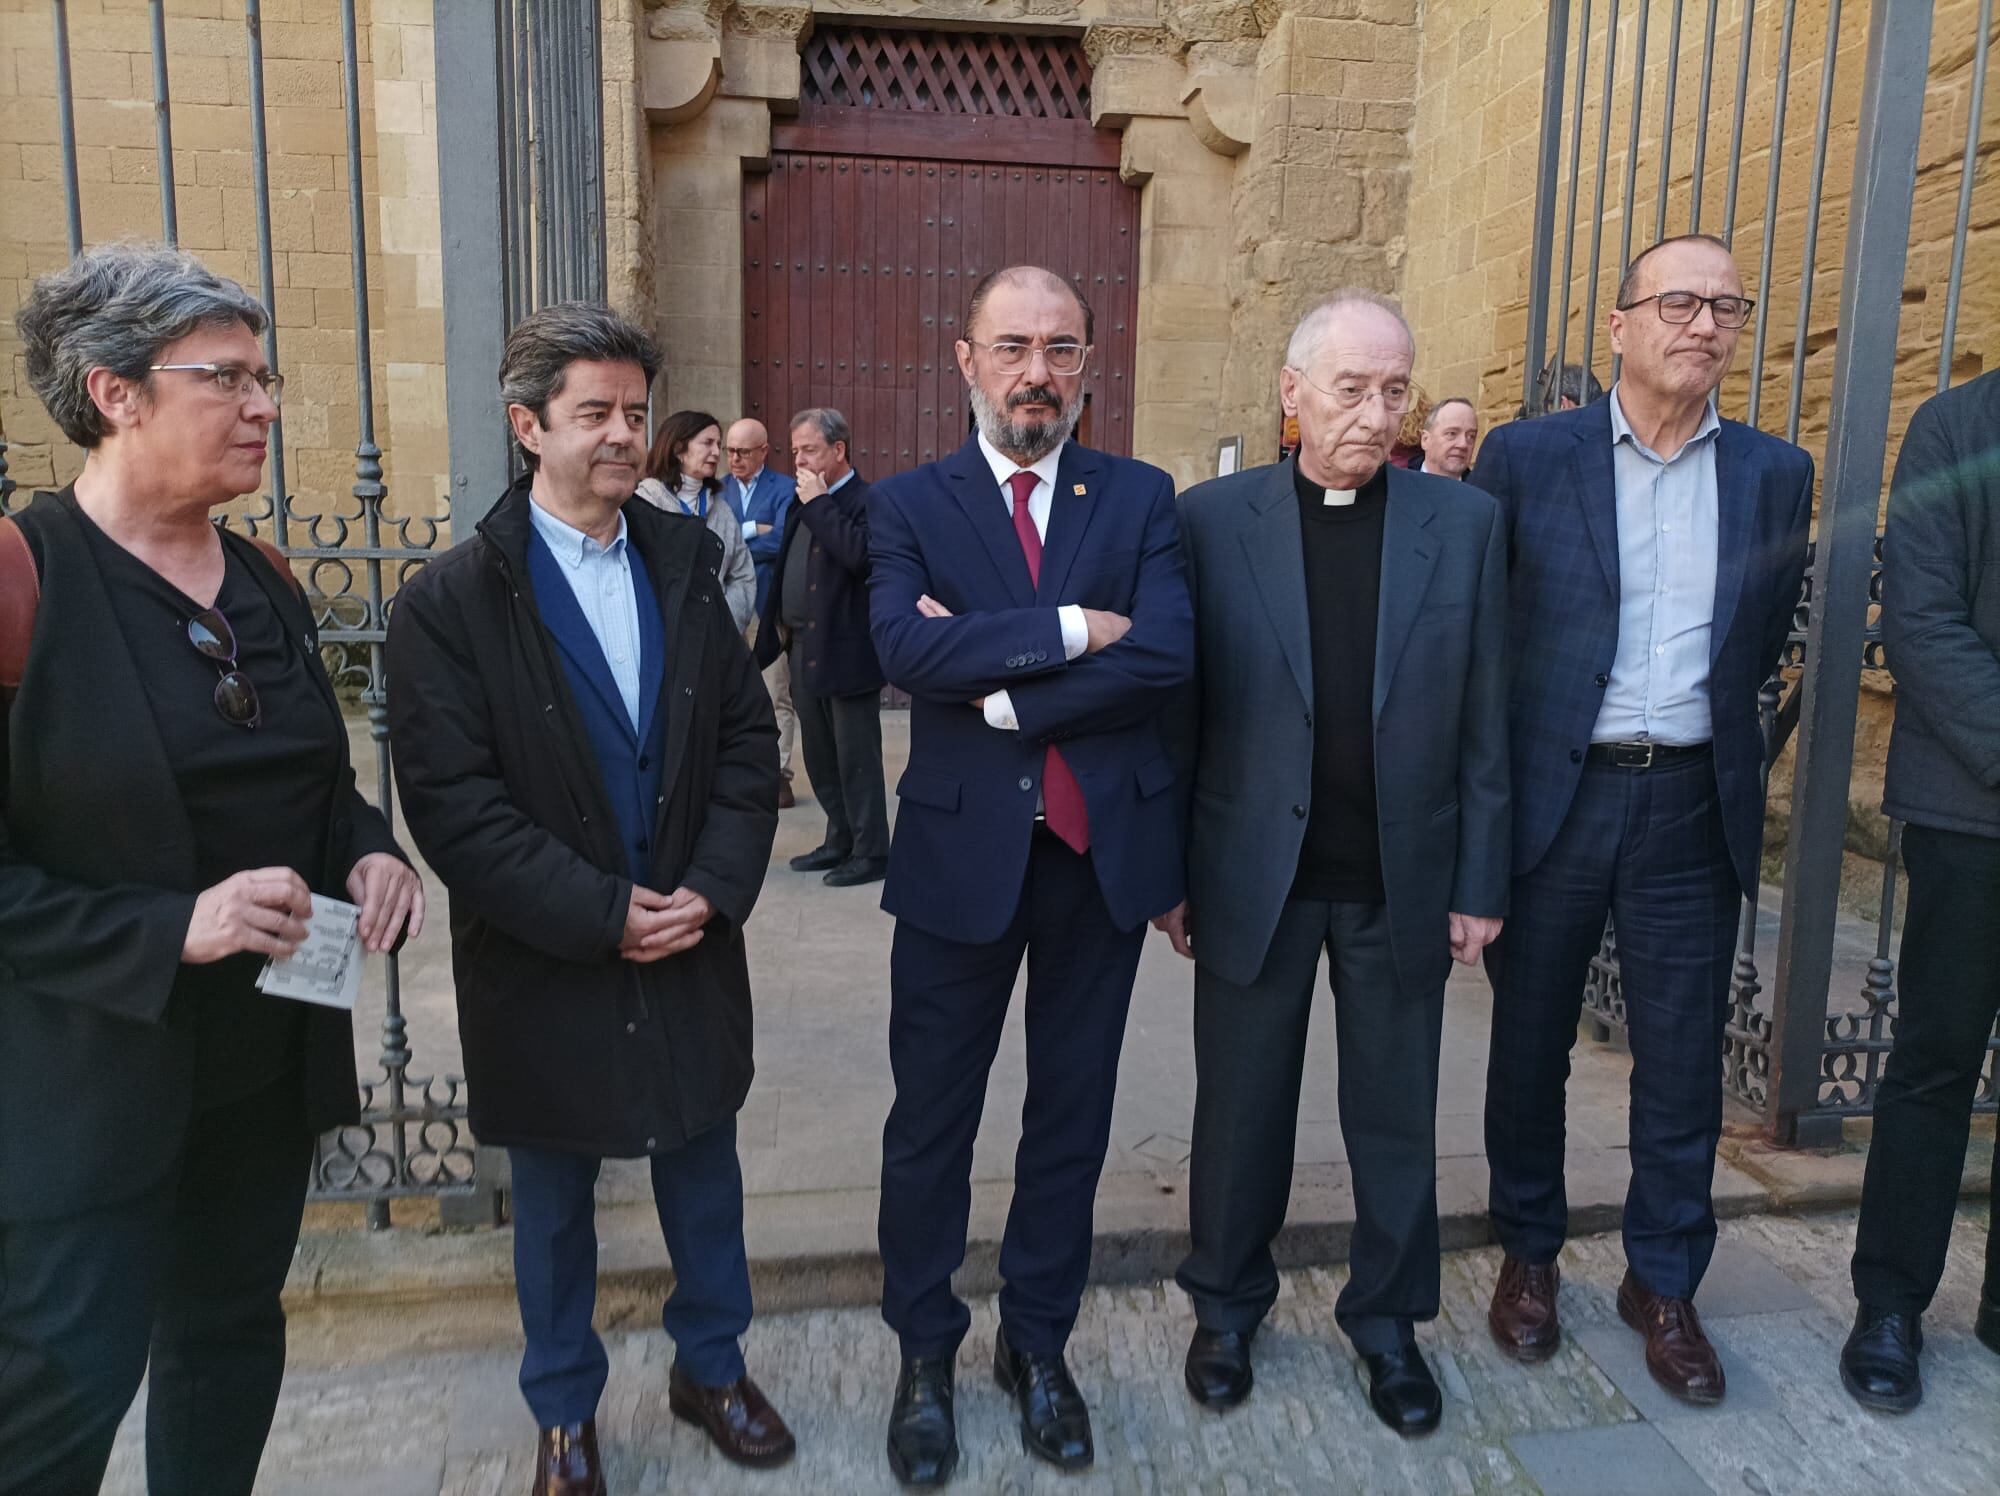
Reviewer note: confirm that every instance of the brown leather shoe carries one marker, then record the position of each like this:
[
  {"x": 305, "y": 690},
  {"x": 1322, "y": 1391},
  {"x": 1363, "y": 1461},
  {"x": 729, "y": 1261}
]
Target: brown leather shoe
[
  {"x": 1677, "y": 1352},
  {"x": 1523, "y": 1313},
  {"x": 566, "y": 1462},
  {"x": 786, "y": 799},
  {"x": 745, "y": 1427}
]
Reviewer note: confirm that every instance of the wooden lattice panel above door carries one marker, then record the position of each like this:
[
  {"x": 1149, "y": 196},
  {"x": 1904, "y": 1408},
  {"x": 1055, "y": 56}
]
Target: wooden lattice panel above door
[{"x": 945, "y": 72}]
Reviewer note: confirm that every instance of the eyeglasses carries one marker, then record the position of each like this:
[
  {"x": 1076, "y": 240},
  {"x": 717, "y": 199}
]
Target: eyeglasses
[
  {"x": 1011, "y": 358},
  {"x": 235, "y": 698},
  {"x": 1678, "y": 308},
  {"x": 1348, "y": 395},
  {"x": 747, "y": 451},
  {"x": 232, "y": 380}
]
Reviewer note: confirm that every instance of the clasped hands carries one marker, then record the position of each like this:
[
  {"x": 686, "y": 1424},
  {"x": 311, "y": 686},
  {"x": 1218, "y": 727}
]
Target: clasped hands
[
  {"x": 658, "y": 925},
  {"x": 1104, "y": 628}
]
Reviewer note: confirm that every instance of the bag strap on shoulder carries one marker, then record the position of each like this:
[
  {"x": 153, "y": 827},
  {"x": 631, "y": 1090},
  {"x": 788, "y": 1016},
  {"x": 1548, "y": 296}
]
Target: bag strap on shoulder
[{"x": 20, "y": 597}]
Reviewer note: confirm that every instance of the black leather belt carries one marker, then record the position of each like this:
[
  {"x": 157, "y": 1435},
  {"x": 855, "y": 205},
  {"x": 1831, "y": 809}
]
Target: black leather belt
[{"x": 1644, "y": 755}]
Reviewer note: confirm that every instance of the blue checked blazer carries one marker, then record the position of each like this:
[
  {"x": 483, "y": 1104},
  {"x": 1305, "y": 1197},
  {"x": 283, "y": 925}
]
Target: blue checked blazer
[{"x": 1553, "y": 476}]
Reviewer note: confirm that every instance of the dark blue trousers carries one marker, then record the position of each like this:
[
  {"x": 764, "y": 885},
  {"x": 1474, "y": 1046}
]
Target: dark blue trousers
[
  {"x": 1645, "y": 846},
  {"x": 698, "y": 1189},
  {"x": 948, "y": 1002}
]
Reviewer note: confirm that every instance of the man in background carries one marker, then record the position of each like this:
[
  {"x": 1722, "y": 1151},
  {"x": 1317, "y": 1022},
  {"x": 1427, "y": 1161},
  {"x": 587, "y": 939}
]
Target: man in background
[
  {"x": 816, "y": 618},
  {"x": 762, "y": 498},
  {"x": 1451, "y": 431}
]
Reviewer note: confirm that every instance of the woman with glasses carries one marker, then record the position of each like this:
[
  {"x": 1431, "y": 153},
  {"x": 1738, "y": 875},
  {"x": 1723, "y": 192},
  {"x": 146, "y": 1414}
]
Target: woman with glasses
[
  {"x": 681, "y": 478},
  {"x": 174, "y": 788}
]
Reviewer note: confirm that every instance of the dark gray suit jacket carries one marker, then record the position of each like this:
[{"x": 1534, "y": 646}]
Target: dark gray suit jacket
[
  {"x": 1941, "y": 613},
  {"x": 1243, "y": 737}
]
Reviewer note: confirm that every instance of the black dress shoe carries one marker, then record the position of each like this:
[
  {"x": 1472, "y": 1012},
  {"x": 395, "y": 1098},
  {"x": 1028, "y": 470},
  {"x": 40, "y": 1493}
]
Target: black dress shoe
[
  {"x": 567, "y": 1462},
  {"x": 1878, "y": 1365},
  {"x": 857, "y": 870},
  {"x": 1218, "y": 1368},
  {"x": 818, "y": 860},
  {"x": 1403, "y": 1393},
  {"x": 1055, "y": 1423},
  {"x": 923, "y": 1435},
  {"x": 1986, "y": 1324}
]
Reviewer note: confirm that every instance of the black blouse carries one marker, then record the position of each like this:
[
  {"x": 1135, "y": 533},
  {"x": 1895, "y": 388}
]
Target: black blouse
[{"x": 255, "y": 797}]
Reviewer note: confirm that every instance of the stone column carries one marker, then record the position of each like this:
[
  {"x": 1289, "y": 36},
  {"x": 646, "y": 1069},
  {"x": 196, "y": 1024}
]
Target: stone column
[
  {"x": 1321, "y": 193},
  {"x": 708, "y": 93}
]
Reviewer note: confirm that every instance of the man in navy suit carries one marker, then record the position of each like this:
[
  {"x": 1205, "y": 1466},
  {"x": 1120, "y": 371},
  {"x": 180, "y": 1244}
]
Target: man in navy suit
[
  {"x": 761, "y": 498},
  {"x": 1029, "y": 594},
  {"x": 1656, "y": 553},
  {"x": 1344, "y": 753}
]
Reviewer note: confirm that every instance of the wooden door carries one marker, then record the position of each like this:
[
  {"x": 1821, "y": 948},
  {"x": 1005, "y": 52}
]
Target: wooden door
[{"x": 881, "y": 210}]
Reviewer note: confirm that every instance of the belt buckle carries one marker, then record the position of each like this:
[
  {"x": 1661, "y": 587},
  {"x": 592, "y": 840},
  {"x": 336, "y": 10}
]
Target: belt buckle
[{"x": 1632, "y": 755}]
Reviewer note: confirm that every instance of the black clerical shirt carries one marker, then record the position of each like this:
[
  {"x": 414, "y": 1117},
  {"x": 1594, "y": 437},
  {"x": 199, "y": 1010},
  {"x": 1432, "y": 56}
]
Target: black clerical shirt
[
  {"x": 254, "y": 797},
  {"x": 1341, "y": 858}
]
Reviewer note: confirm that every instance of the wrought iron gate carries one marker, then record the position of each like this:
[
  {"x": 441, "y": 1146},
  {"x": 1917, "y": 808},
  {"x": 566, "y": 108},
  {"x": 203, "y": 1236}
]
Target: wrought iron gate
[
  {"x": 534, "y": 68},
  {"x": 1801, "y": 1060}
]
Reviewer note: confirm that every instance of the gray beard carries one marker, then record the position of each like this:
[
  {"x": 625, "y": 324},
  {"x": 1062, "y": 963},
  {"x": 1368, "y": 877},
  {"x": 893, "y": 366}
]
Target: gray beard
[{"x": 1026, "y": 442}]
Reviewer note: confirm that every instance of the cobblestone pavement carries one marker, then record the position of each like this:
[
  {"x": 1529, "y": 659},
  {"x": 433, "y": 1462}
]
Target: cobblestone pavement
[{"x": 1587, "y": 1423}]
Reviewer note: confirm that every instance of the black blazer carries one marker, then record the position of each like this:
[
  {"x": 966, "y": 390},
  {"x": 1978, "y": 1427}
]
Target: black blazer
[
  {"x": 97, "y": 884},
  {"x": 1941, "y": 613},
  {"x": 1242, "y": 734},
  {"x": 567, "y": 1044},
  {"x": 839, "y": 656}
]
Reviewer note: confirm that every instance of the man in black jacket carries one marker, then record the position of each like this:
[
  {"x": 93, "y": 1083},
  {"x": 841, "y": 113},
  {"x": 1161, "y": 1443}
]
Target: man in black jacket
[
  {"x": 816, "y": 612},
  {"x": 1941, "y": 626},
  {"x": 588, "y": 760}
]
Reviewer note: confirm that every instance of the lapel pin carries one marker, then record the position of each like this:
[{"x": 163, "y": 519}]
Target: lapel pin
[{"x": 1078, "y": 490}]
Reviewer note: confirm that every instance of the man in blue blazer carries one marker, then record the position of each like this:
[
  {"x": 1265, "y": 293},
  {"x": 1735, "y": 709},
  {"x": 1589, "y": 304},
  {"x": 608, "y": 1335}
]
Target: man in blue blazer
[
  {"x": 1344, "y": 750},
  {"x": 761, "y": 498},
  {"x": 1029, "y": 594},
  {"x": 1656, "y": 553}
]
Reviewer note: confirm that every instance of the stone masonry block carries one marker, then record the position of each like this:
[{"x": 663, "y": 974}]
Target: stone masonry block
[
  {"x": 1351, "y": 40},
  {"x": 1324, "y": 202}
]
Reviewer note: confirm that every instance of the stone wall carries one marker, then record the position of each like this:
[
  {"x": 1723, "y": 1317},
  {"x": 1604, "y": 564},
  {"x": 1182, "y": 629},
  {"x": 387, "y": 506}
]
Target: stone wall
[{"x": 209, "y": 86}]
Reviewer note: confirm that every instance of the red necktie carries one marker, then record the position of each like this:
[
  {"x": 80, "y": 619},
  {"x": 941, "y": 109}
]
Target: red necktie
[{"x": 1062, "y": 796}]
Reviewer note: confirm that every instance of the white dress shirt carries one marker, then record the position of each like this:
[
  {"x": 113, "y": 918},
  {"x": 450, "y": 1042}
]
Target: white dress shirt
[{"x": 1075, "y": 632}]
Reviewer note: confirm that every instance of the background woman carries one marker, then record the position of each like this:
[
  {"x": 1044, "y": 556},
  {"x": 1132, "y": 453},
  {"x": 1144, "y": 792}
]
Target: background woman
[
  {"x": 681, "y": 475},
  {"x": 173, "y": 788}
]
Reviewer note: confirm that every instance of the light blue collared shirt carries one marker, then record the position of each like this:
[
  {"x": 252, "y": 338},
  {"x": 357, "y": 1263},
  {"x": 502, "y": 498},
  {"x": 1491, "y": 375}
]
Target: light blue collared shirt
[
  {"x": 1666, "y": 575},
  {"x": 601, "y": 578}
]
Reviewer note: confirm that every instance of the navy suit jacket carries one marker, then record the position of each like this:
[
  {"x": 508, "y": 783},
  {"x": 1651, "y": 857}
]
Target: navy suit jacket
[
  {"x": 628, "y": 760},
  {"x": 968, "y": 796},
  {"x": 1554, "y": 478},
  {"x": 769, "y": 505}
]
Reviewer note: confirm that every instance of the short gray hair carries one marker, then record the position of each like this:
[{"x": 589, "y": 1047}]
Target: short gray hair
[
  {"x": 1314, "y": 325},
  {"x": 1431, "y": 419},
  {"x": 116, "y": 307},
  {"x": 830, "y": 423},
  {"x": 544, "y": 344}
]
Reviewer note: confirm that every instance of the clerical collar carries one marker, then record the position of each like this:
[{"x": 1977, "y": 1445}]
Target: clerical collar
[{"x": 1312, "y": 497}]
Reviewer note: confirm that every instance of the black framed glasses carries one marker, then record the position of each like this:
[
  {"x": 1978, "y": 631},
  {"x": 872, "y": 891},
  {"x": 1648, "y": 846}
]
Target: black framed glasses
[
  {"x": 233, "y": 380},
  {"x": 1011, "y": 357},
  {"x": 1678, "y": 308},
  {"x": 235, "y": 697}
]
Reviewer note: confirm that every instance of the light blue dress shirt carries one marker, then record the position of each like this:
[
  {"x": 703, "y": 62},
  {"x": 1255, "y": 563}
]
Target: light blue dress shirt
[
  {"x": 601, "y": 578},
  {"x": 1666, "y": 581}
]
